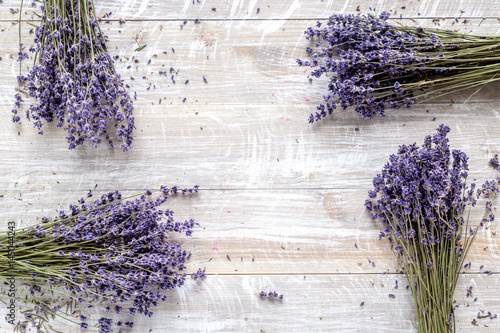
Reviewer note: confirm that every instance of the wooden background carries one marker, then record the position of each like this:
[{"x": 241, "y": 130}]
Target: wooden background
[{"x": 274, "y": 188}]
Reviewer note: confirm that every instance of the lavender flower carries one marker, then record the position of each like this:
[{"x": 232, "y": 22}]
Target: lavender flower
[
  {"x": 421, "y": 198},
  {"x": 495, "y": 163},
  {"x": 74, "y": 79},
  {"x": 113, "y": 251},
  {"x": 271, "y": 294},
  {"x": 375, "y": 66}
]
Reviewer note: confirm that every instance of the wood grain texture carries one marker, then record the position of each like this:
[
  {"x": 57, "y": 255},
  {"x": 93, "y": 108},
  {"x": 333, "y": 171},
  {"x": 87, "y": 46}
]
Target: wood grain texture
[
  {"x": 180, "y": 10},
  {"x": 276, "y": 189},
  {"x": 243, "y": 146},
  {"x": 244, "y": 62},
  {"x": 284, "y": 231},
  {"x": 324, "y": 303}
]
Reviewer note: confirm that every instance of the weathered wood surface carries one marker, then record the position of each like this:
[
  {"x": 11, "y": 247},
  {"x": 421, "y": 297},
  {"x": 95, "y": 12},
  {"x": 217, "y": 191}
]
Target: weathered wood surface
[
  {"x": 240, "y": 68},
  {"x": 316, "y": 303},
  {"x": 274, "y": 188},
  {"x": 319, "y": 303},
  {"x": 293, "y": 231},
  {"x": 179, "y": 10},
  {"x": 243, "y": 146}
]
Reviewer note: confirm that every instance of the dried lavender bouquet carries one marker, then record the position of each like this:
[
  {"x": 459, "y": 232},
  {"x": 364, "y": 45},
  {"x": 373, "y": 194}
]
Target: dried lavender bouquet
[
  {"x": 115, "y": 254},
  {"x": 375, "y": 66},
  {"x": 73, "y": 77},
  {"x": 422, "y": 199}
]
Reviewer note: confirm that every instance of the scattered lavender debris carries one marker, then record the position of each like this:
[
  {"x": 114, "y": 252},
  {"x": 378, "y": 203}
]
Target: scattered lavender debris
[
  {"x": 495, "y": 163},
  {"x": 200, "y": 274},
  {"x": 271, "y": 294}
]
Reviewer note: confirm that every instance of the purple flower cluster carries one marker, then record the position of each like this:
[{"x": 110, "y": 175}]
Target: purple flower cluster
[
  {"x": 113, "y": 251},
  {"x": 422, "y": 192},
  {"x": 495, "y": 163},
  {"x": 271, "y": 294},
  {"x": 368, "y": 62},
  {"x": 421, "y": 198},
  {"x": 74, "y": 79}
]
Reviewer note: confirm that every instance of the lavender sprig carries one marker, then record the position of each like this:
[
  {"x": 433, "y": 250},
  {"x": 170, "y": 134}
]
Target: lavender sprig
[
  {"x": 73, "y": 77},
  {"x": 116, "y": 253},
  {"x": 422, "y": 199},
  {"x": 375, "y": 66}
]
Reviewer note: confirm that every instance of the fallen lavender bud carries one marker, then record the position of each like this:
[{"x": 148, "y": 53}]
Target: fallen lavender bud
[
  {"x": 200, "y": 274},
  {"x": 495, "y": 163},
  {"x": 271, "y": 294}
]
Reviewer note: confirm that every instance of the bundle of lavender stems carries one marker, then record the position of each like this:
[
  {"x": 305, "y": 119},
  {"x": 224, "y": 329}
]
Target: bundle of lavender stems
[
  {"x": 73, "y": 78},
  {"x": 374, "y": 66},
  {"x": 115, "y": 255},
  {"x": 424, "y": 202}
]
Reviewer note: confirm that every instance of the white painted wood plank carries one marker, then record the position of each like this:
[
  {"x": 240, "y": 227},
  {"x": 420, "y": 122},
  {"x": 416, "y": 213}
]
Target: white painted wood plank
[
  {"x": 324, "y": 303},
  {"x": 284, "y": 231},
  {"x": 242, "y": 147},
  {"x": 273, "y": 9},
  {"x": 244, "y": 62}
]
